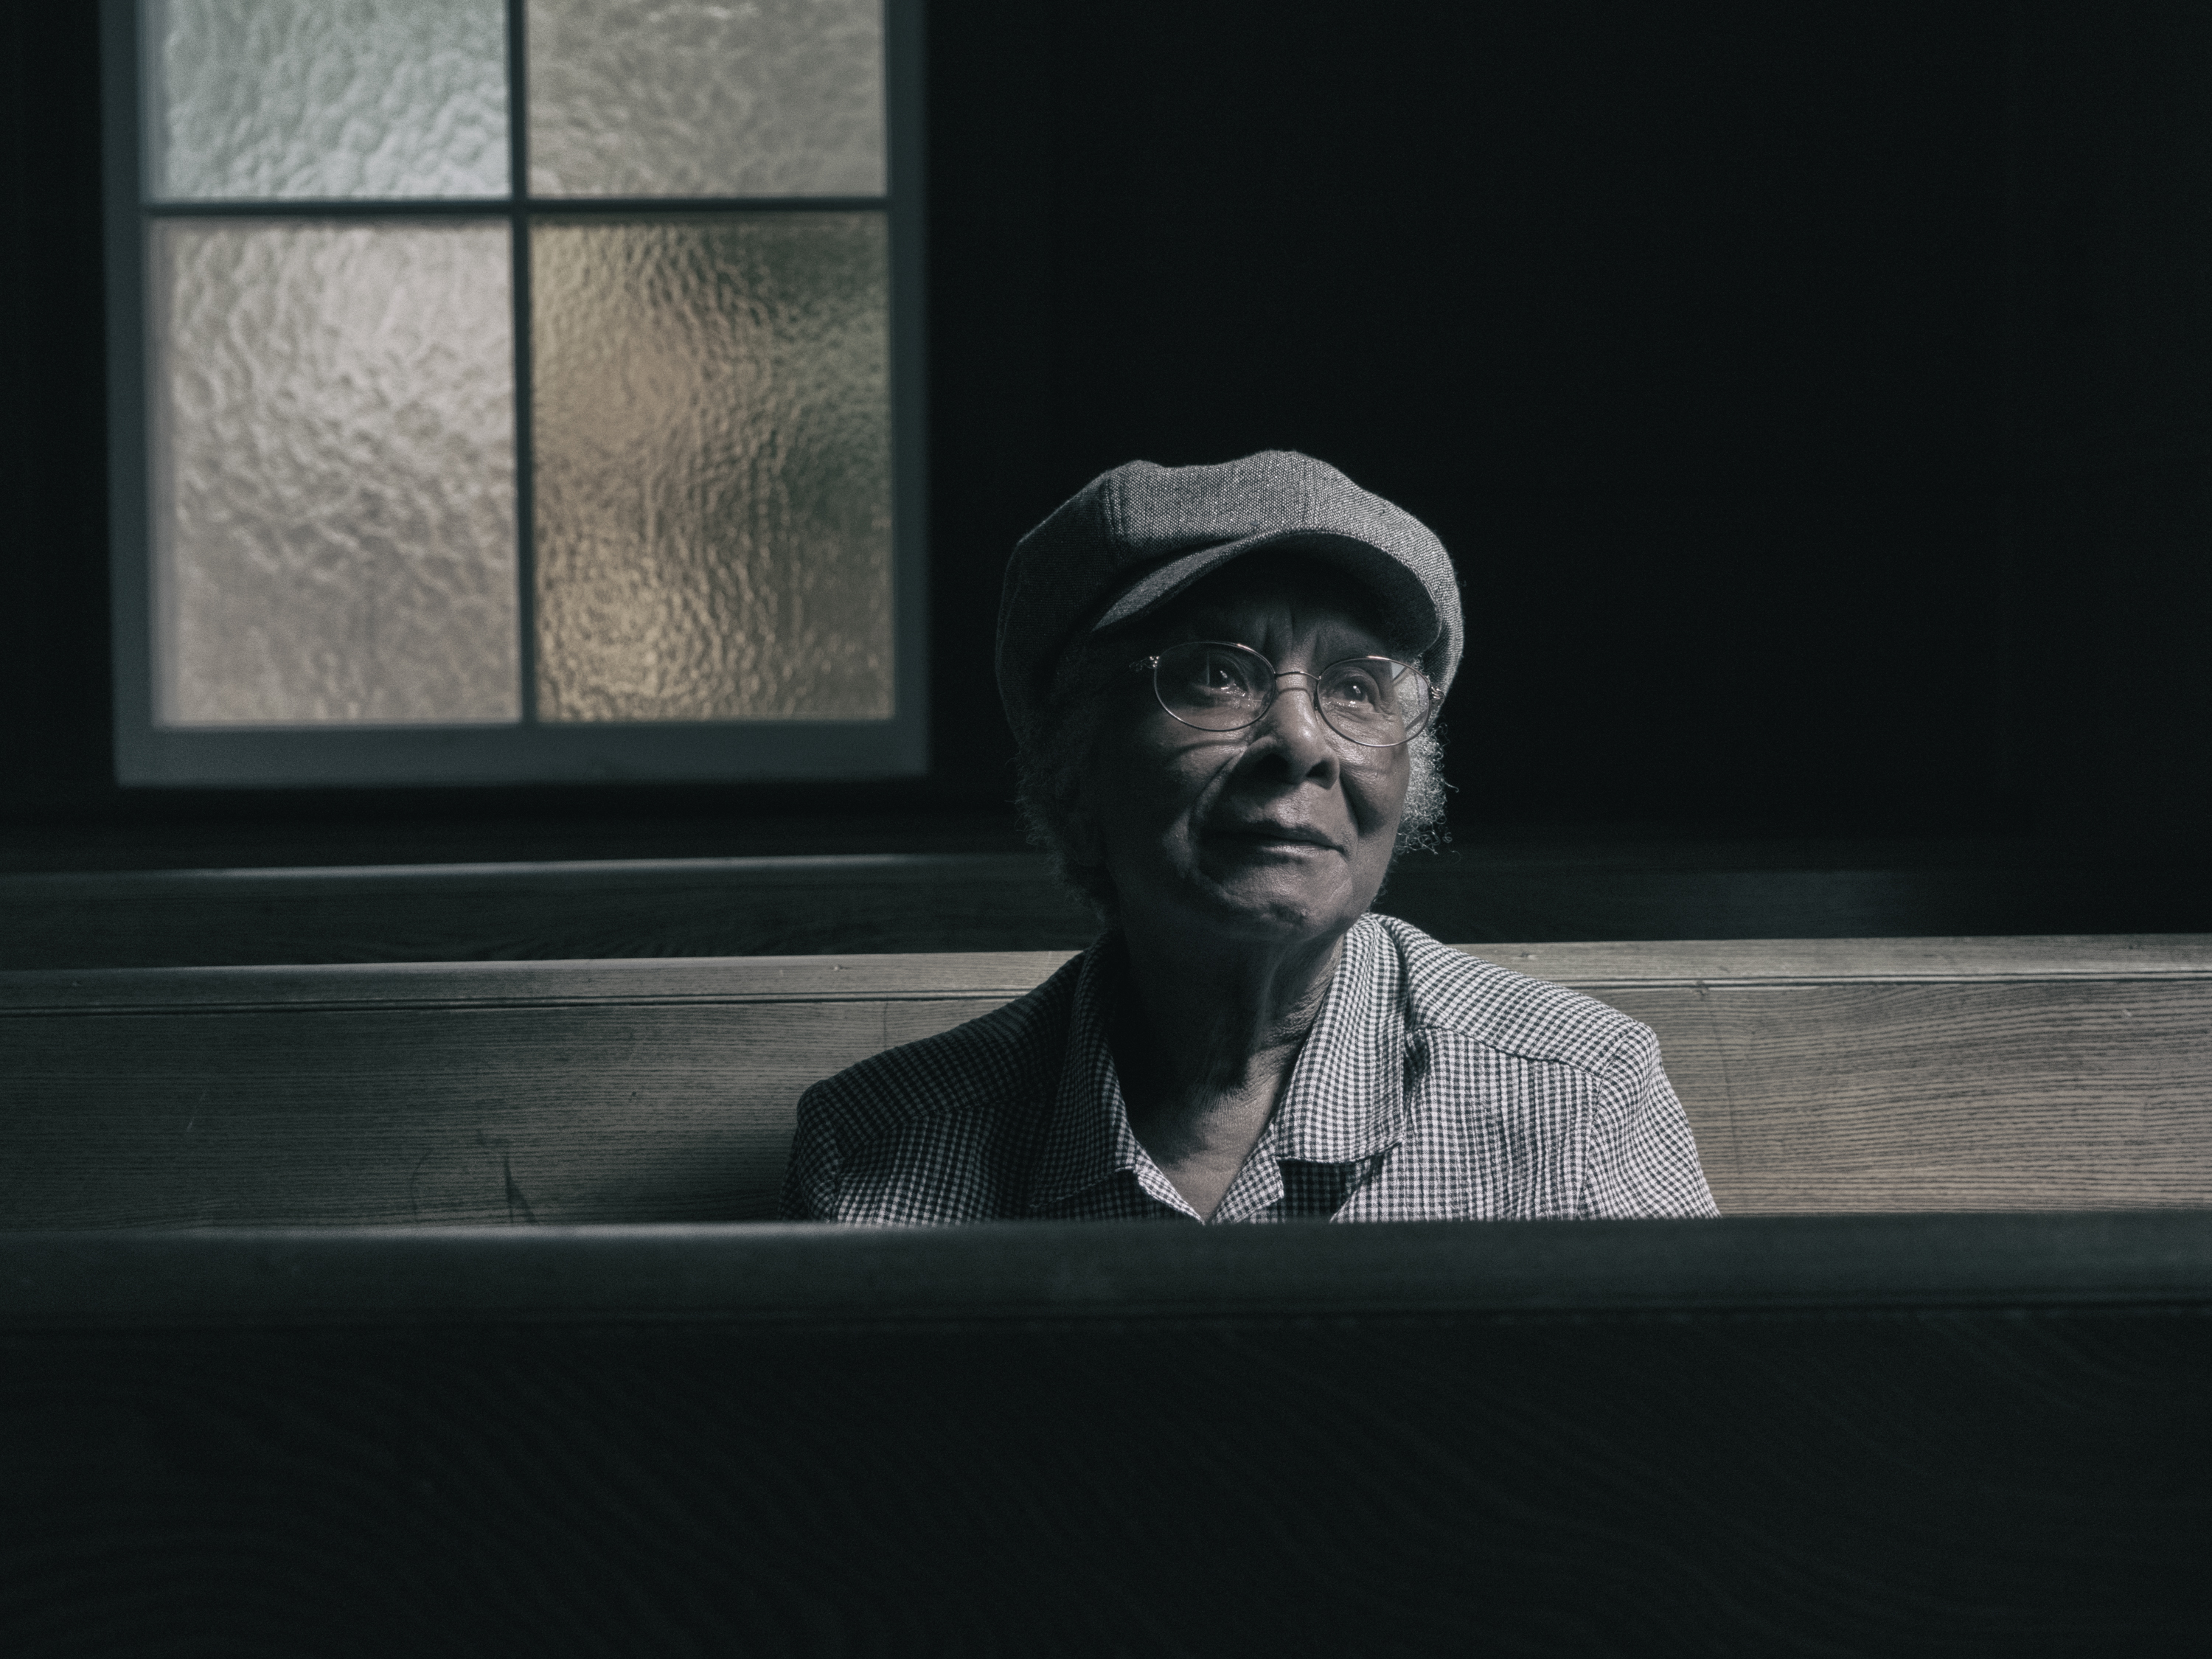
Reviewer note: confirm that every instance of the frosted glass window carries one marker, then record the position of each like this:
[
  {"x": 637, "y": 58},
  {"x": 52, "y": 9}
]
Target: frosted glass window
[
  {"x": 333, "y": 473},
  {"x": 467, "y": 450},
  {"x": 684, "y": 98},
  {"x": 712, "y": 436},
  {"x": 326, "y": 100}
]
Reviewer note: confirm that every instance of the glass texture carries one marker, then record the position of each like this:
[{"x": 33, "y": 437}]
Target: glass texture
[
  {"x": 1220, "y": 687},
  {"x": 325, "y": 100},
  {"x": 333, "y": 504},
  {"x": 761, "y": 98},
  {"x": 711, "y": 428}
]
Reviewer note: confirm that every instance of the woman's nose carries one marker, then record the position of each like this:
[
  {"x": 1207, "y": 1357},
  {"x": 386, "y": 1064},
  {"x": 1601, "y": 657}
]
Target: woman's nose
[{"x": 1293, "y": 722}]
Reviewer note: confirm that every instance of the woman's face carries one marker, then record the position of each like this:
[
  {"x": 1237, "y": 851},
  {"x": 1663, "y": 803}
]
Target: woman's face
[{"x": 1281, "y": 832}]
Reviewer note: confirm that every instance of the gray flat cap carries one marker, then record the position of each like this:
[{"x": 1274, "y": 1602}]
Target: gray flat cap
[{"x": 1131, "y": 540}]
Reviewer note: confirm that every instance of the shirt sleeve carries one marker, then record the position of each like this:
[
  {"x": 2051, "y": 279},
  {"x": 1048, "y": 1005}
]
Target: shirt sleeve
[
  {"x": 1643, "y": 1159},
  {"x": 809, "y": 1181}
]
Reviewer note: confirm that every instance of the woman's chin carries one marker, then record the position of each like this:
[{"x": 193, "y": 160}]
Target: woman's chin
[{"x": 1275, "y": 903}]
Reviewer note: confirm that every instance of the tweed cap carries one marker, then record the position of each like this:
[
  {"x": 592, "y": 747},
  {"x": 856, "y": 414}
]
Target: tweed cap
[{"x": 1130, "y": 540}]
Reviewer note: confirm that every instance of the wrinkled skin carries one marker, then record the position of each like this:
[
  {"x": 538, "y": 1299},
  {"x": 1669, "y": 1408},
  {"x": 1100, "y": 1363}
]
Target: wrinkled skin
[
  {"x": 1280, "y": 835},
  {"x": 1239, "y": 859}
]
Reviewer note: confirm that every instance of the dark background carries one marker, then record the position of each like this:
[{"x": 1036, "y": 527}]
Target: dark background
[{"x": 1817, "y": 398}]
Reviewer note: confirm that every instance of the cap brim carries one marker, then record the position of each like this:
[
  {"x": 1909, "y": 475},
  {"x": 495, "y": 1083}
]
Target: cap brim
[{"x": 1409, "y": 614}]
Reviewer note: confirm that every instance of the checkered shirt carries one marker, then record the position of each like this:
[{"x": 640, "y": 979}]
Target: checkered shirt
[{"x": 1433, "y": 1086}]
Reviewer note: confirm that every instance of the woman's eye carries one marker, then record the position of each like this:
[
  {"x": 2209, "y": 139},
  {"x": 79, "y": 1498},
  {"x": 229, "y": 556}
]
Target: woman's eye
[{"x": 1226, "y": 676}]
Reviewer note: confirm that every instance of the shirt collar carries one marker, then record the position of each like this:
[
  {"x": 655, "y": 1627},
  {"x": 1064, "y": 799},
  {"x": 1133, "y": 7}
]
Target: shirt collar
[
  {"x": 1087, "y": 1135},
  {"x": 1346, "y": 1098},
  {"x": 1345, "y": 1102}
]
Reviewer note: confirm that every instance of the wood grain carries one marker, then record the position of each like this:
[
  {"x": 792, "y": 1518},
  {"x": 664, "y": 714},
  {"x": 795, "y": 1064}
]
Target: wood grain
[
  {"x": 1928, "y": 1095},
  {"x": 701, "y": 980},
  {"x": 1761, "y": 960},
  {"x": 1010, "y": 973},
  {"x": 1866, "y": 1075},
  {"x": 554, "y": 1113}
]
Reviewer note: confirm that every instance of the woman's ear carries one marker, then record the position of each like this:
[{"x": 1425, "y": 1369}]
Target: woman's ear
[
  {"x": 1084, "y": 843},
  {"x": 1085, "y": 846}
]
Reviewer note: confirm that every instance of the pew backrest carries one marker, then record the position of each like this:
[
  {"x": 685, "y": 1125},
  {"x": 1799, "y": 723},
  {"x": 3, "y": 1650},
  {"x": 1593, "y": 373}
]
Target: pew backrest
[
  {"x": 1820, "y": 1076},
  {"x": 881, "y": 902},
  {"x": 1897, "y": 1435}
]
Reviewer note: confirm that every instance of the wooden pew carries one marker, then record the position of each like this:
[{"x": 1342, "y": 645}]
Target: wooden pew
[
  {"x": 1902, "y": 1434},
  {"x": 1820, "y": 1076},
  {"x": 949, "y": 901},
  {"x": 1894, "y": 1434},
  {"x": 875, "y": 903}
]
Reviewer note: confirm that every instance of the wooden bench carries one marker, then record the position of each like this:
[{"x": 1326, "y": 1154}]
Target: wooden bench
[
  {"x": 1892, "y": 1435},
  {"x": 1820, "y": 1076},
  {"x": 1897, "y": 1434}
]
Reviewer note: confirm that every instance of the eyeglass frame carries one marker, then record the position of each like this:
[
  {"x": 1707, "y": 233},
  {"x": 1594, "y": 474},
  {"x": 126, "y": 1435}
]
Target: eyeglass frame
[{"x": 1152, "y": 664}]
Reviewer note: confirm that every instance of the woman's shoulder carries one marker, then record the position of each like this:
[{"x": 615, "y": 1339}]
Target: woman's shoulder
[
  {"x": 1011, "y": 1052},
  {"x": 1444, "y": 989}
]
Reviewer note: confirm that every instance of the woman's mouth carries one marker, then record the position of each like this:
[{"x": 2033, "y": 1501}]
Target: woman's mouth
[{"x": 1273, "y": 838}]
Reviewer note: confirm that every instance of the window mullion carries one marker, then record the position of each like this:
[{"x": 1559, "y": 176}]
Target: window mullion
[{"x": 518, "y": 195}]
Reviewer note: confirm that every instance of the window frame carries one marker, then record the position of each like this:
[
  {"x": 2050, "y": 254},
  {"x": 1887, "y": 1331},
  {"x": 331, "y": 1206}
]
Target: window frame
[{"x": 148, "y": 753}]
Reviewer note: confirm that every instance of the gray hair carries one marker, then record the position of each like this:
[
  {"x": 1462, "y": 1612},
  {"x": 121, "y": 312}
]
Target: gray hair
[{"x": 1051, "y": 768}]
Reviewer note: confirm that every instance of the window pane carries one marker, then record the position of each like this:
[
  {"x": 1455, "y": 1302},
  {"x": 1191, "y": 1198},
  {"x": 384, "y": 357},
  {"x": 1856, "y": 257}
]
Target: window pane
[
  {"x": 769, "y": 97},
  {"x": 712, "y": 430},
  {"x": 333, "y": 498},
  {"x": 254, "y": 100}
]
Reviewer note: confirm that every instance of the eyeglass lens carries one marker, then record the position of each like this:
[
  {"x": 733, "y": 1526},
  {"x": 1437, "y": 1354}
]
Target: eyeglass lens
[{"x": 1222, "y": 688}]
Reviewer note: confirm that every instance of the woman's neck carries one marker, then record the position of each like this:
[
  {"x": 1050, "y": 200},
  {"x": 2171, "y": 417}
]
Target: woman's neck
[
  {"x": 1203, "y": 1013},
  {"x": 1204, "y": 1041}
]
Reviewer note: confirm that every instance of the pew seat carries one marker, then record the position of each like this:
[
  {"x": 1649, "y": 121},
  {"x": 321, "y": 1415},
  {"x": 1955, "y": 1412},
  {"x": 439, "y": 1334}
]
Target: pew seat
[{"x": 1820, "y": 1076}]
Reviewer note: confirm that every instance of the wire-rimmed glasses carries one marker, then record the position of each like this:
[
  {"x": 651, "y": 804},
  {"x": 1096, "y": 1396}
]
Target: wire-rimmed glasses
[{"x": 1377, "y": 702}]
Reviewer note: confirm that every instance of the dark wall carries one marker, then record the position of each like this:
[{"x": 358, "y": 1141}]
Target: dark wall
[
  {"x": 54, "y": 702},
  {"x": 1816, "y": 397},
  {"x": 1676, "y": 323},
  {"x": 2113, "y": 416}
]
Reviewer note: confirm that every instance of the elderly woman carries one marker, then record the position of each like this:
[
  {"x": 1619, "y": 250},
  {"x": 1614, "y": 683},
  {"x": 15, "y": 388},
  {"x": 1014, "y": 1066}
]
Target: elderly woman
[{"x": 1224, "y": 682}]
